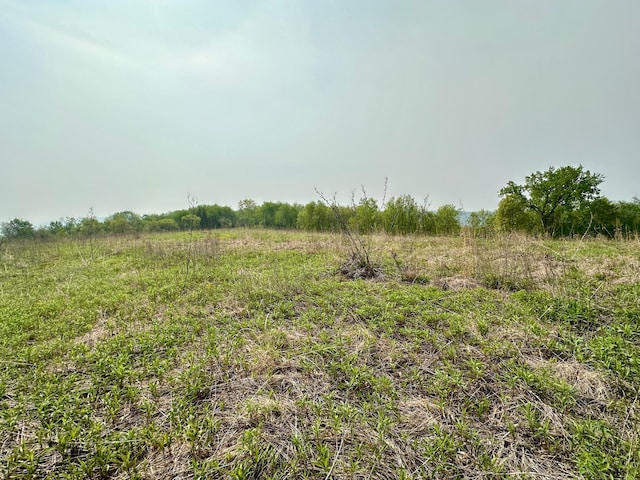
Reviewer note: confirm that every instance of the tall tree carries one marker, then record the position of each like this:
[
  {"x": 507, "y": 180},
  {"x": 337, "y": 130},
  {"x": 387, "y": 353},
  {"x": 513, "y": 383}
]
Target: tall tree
[{"x": 548, "y": 193}]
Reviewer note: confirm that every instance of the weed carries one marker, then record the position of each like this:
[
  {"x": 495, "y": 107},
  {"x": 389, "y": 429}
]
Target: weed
[{"x": 359, "y": 263}]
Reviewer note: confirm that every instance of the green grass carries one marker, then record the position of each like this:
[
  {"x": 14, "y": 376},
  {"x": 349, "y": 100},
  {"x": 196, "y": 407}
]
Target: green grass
[{"x": 500, "y": 358}]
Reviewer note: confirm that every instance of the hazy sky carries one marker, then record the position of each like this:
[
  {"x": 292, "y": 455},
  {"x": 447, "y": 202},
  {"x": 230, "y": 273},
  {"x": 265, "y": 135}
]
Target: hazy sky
[{"x": 131, "y": 105}]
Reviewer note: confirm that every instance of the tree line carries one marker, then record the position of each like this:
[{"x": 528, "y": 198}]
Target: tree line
[
  {"x": 556, "y": 203},
  {"x": 400, "y": 215}
]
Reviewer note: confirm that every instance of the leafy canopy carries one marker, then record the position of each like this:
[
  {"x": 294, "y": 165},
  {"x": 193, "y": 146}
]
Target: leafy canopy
[{"x": 548, "y": 193}]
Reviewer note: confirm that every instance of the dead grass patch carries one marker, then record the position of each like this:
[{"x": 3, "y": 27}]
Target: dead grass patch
[
  {"x": 100, "y": 331},
  {"x": 456, "y": 283},
  {"x": 418, "y": 415},
  {"x": 588, "y": 382},
  {"x": 619, "y": 269},
  {"x": 307, "y": 243},
  {"x": 173, "y": 461},
  {"x": 229, "y": 305}
]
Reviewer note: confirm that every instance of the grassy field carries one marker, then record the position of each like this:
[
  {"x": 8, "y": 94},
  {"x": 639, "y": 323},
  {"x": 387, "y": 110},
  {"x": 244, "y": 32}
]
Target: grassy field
[{"x": 247, "y": 354}]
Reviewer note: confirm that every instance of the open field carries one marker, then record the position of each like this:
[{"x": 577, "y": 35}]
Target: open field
[{"x": 246, "y": 354}]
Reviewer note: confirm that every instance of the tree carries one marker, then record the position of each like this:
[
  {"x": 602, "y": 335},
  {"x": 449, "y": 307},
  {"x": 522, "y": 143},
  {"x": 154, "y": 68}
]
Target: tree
[
  {"x": 628, "y": 221},
  {"x": 603, "y": 213},
  {"x": 402, "y": 215},
  {"x": 18, "y": 228},
  {"x": 214, "y": 216},
  {"x": 563, "y": 190},
  {"x": 266, "y": 214},
  {"x": 365, "y": 216},
  {"x": 286, "y": 215},
  {"x": 316, "y": 216},
  {"x": 90, "y": 225},
  {"x": 512, "y": 216},
  {"x": 70, "y": 224},
  {"x": 447, "y": 221},
  {"x": 247, "y": 213},
  {"x": 123, "y": 222},
  {"x": 57, "y": 228},
  {"x": 161, "y": 225},
  {"x": 595, "y": 217},
  {"x": 481, "y": 222},
  {"x": 190, "y": 222}
]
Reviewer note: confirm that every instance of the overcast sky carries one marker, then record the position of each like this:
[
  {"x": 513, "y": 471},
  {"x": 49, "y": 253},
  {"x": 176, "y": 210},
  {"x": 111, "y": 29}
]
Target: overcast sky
[{"x": 134, "y": 104}]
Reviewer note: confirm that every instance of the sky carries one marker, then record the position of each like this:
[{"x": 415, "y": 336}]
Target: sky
[{"x": 138, "y": 105}]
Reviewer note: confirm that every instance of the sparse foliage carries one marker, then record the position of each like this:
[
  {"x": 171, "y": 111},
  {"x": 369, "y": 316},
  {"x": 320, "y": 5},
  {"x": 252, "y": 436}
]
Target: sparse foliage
[
  {"x": 190, "y": 222},
  {"x": 359, "y": 263}
]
